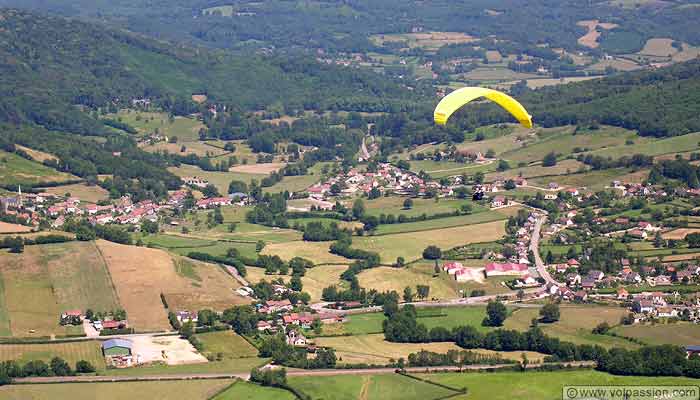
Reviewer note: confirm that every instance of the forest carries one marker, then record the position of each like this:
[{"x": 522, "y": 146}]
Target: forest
[{"x": 345, "y": 25}]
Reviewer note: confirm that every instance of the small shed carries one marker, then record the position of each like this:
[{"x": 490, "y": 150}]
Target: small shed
[{"x": 116, "y": 347}]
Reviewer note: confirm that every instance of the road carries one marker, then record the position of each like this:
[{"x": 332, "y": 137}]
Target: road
[
  {"x": 365, "y": 152},
  {"x": 535, "y": 248},
  {"x": 246, "y": 376}
]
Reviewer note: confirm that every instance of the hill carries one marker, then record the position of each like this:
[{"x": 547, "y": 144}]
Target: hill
[{"x": 50, "y": 64}]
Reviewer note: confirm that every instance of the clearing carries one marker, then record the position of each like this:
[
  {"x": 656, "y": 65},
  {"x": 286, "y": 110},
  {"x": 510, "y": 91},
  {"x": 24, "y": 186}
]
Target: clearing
[
  {"x": 88, "y": 193},
  {"x": 590, "y": 39},
  {"x": 15, "y": 170}
]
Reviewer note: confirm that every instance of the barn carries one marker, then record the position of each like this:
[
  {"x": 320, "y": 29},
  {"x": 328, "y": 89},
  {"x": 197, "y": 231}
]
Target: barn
[{"x": 116, "y": 347}]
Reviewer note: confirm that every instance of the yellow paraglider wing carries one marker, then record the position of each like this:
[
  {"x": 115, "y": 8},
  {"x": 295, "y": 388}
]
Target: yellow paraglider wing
[{"x": 453, "y": 101}]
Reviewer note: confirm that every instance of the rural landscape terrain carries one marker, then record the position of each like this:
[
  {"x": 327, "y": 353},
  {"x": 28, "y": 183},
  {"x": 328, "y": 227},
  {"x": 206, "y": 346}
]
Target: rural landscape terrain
[{"x": 218, "y": 200}]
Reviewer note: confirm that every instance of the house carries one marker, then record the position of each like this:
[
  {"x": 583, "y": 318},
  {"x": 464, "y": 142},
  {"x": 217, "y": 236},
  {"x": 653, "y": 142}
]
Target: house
[
  {"x": 666, "y": 312},
  {"x": 588, "y": 283},
  {"x": 632, "y": 278},
  {"x": 274, "y": 306},
  {"x": 553, "y": 186},
  {"x": 646, "y": 226},
  {"x": 499, "y": 201},
  {"x": 525, "y": 281},
  {"x": 573, "y": 279},
  {"x": 264, "y": 326},
  {"x": 581, "y": 295},
  {"x": 113, "y": 324},
  {"x": 596, "y": 274},
  {"x": 186, "y": 316},
  {"x": 642, "y": 306},
  {"x": 691, "y": 350},
  {"x": 520, "y": 181},
  {"x": 622, "y": 221},
  {"x": 497, "y": 269},
  {"x": 116, "y": 348},
  {"x": 622, "y": 294},
  {"x": 573, "y": 263},
  {"x": 638, "y": 234},
  {"x": 550, "y": 196},
  {"x": 452, "y": 267},
  {"x": 572, "y": 191},
  {"x": 662, "y": 280},
  {"x": 295, "y": 338},
  {"x": 468, "y": 274},
  {"x": 561, "y": 268},
  {"x": 72, "y": 317}
]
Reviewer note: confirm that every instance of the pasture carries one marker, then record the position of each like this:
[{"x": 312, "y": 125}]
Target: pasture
[
  {"x": 242, "y": 390},
  {"x": 36, "y": 155},
  {"x": 410, "y": 245},
  {"x": 681, "y": 333},
  {"x": 373, "y": 349},
  {"x": 6, "y": 227},
  {"x": 88, "y": 193},
  {"x": 389, "y": 278},
  {"x": 45, "y": 280},
  {"x": 676, "y": 144},
  {"x": 318, "y": 252},
  {"x": 217, "y": 178},
  {"x": 575, "y": 324},
  {"x": 538, "y": 385},
  {"x": 170, "y": 390},
  {"x": 16, "y": 170},
  {"x": 228, "y": 344},
  {"x": 185, "y": 129},
  {"x": 368, "y": 387},
  {"x": 72, "y": 352},
  {"x": 394, "y": 205},
  {"x": 314, "y": 281}
]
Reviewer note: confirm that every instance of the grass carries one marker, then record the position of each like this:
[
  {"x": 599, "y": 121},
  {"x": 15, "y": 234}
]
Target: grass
[
  {"x": 242, "y": 390},
  {"x": 410, "y": 245},
  {"x": 373, "y": 349},
  {"x": 388, "y": 278},
  {"x": 186, "y": 129},
  {"x": 575, "y": 324},
  {"x": 16, "y": 170},
  {"x": 680, "y": 333},
  {"x": 563, "y": 167},
  {"x": 172, "y": 390},
  {"x": 298, "y": 183},
  {"x": 594, "y": 180},
  {"x": 538, "y": 385},
  {"x": 228, "y": 344},
  {"x": 238, "y": 365},
  {"x": 439, "y": 223},
  {"x": 394, "y": 205},
  {"x": 368, "y": 387},
  {"x": 47, "y": 279},
  {"x": 70, "y": 351},
  {"x": 452, "y": 317},
  {"x": 676, "y": 144},
  {"x": 358, "y": 324}
]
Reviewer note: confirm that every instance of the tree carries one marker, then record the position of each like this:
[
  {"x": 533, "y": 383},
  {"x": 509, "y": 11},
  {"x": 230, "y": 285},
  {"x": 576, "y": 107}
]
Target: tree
[
  {"x": 295, "y": 283},
  {"x": 259, "y": 246},
  {"x": 84, "y": 367},
  {"x": 509, "y": 185},
  {"x": 237, "y": 187},
  {"x": 210, "y": 191},
  {"x": 358, "y": 209},
  {"x": 391, "y": 305},
  {"x": 400, "y": 261},
  {"x": 423, "y": 291},
  {"x": 496, "y": 313},
  {"x": 693, "y": 240},
  {"x": 549, "y": 313},
  {"x": 658, "y": 240},
  {"x": 187, "y": 330},
  {"x": 407, "y": 294},
  {"x": 432, "y": 253},
  {"x": 60, "y": 367},
  {"x": 549, "y": 160},
  {"x": 408, "y": 204},
  {"x": 503, "y": 166},
  {"x": 232, "y": 227}
]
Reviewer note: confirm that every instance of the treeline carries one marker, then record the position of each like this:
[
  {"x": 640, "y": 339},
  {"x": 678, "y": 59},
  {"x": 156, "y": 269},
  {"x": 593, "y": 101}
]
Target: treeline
[
  {"x": 56, "y": 367},
  {"x": 365, "y": 259},
  {"x": 426, "y": 358},
  {"x": 679, "y": 169},
  {"x": 276, "y": 347},
  {"x": 234, "y": 262},
  {"x": 16, "y": 243}
]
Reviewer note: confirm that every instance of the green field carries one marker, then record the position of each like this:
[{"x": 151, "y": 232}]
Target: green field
[
  {"x": 241, "y": 390},
  {"x": 298, "y": 183},
  {"x": 173, "y": 390},
  {"x": 593, "y": 180},
  {"x": 452, "y": 317},
  {"x": 226, "y": 344},
  {"x": 538, "y": 385},
  {"x": 186, "y": 129},
  {"x": 70, "y": 351},
  {"x": 448, "y": 222},
  {"x": 394, "y": 205},
  {"x": 368, "y": 387},
  {"x": 237, "y": 365},
  {"x": 676, "y": 144},
  {"x": 47, "y": 279},
  {"x": 219, "y": 179},
  {"x": 16, "y": 170}
]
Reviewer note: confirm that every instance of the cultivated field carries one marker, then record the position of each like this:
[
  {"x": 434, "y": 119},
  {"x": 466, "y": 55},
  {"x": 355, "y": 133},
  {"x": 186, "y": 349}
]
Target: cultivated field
[
  {"x": 590, "y": 39},
  {"x": 538, "y": 385},
  {"x": 314, "y": 281},
  {"x": 90, "y": 194},
  {"x": 679, "y": 234},
  {"x": 410, "y": 245},
  {"x": 265, "y": 168},
  {"x": 439, "y": 223},
  {"x": 314, "y": 251},
  {"x": 202, "y": 149},
  {"x": 373, "y": 349},
  {"x": 45, "y": 280},
  {"x": 658, "y": 47},
  {"x": 427, "y": 40},
  {"x": 15, "y": 170},
  {"x": 72, "y": 352},
  {"x": 186, "y": 129},
  {"x": 173, "y": 390},
  {"x": 368, "y": 387},
  {"x": 198, "y": 285},
  {"x": 6, "y": 227},
  {"x": 676, "y": 144},
  {"x": 36, "y": 155}
]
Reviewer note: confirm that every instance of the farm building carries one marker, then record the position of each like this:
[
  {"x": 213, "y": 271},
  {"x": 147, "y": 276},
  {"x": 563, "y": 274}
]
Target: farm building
[
  {"x": 495, "y": 269},
  {"x": 116, "y": 348}
]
